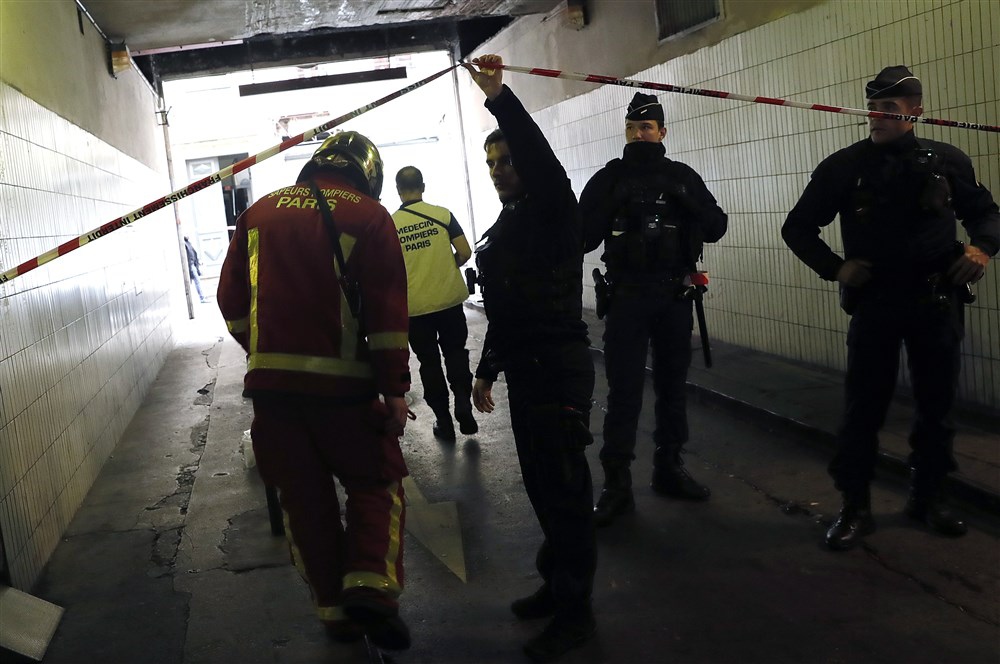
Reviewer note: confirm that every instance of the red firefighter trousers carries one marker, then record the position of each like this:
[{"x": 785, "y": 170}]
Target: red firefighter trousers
[{"x": 301, "y": 446}]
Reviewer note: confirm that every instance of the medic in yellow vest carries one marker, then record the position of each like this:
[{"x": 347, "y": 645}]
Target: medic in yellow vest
[{"x": 435, "y": 292}]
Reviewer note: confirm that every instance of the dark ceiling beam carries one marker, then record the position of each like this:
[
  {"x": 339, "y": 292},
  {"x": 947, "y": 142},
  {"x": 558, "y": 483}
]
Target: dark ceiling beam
[
  {"x": 323, "y": 45},
  {"x": 349, "y": 78}
]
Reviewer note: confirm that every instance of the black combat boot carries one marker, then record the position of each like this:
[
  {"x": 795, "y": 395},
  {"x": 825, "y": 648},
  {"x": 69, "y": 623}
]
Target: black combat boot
[
  {"x": 565, "y": 632},
  {"x": 538, "y": 604},
  {"x": 444, "y": 428},
  {"x": 927, "y": 505},
  {"x": 466, "y": 422},
  {"x": 854, "y": 521},
  {"x": 671, "y": 479},
  {"x": 378, "y": 617},
  {"x": 616, "y": 496}
]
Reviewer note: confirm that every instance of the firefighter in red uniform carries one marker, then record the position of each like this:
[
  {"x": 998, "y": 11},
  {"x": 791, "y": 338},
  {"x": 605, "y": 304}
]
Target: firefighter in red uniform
[{"x": 326, "y": 333}]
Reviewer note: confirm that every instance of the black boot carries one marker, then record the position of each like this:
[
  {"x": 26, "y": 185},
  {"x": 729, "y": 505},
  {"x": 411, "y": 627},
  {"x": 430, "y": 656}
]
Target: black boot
[
  {"x": 466, "y": 422},
  {"x": 616, "y": 496},
  {"x": 444, "y": 428},
  {"x": 538, "y": 604},
  {"x": 927, "y": 505},
  {"x": 378, "y": 618},
  {"x": 854, "y": 521},
  {"x": 561, "y": 635},
  {"x": 671, "y": 479}
]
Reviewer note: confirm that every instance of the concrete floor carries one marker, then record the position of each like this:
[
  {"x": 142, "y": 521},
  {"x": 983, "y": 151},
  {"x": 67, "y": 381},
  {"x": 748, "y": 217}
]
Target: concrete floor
[{"x": 171, "y": 558}]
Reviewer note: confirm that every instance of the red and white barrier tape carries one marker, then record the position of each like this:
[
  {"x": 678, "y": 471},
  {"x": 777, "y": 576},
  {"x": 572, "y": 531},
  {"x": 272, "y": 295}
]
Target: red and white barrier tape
[
  {"x": 209, "y": 180},
  {"x": 205, "y": 182},
  {"x": 611, "y": 80}
]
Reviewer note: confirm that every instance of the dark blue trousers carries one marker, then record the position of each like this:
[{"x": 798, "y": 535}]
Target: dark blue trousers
[{"x": 932, "y": 337}]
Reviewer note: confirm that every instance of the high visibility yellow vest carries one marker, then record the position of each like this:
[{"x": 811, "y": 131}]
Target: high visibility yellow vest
[{"x": 434, "y": 281}]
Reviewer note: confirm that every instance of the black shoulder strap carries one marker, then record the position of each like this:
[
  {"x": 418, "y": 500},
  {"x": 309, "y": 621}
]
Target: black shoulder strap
[
  {"x": 338, "y": 252},
  {"x": 428, "y": 218}
]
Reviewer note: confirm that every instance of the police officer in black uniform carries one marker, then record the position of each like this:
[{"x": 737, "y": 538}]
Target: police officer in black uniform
[
  {"x": 530, "y": 269},
  {"x": 904, "y": 278},
  {"x": 653, "y": 215}
]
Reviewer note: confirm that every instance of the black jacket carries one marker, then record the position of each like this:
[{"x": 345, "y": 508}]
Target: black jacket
[
  {"x": 601, "y": 201},
  {"x": 531, "y": 260},
  {"x": 894, "y": 209}
]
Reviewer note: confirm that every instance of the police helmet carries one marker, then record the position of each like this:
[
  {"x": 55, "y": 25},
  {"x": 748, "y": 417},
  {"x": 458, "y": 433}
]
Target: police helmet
[{"x": 352, "y": 153}]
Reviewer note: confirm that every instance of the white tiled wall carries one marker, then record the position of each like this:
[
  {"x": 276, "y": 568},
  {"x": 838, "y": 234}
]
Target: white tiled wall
[
  {"x": 80, "y": 338},
  {"x": 756, "y": 159}
]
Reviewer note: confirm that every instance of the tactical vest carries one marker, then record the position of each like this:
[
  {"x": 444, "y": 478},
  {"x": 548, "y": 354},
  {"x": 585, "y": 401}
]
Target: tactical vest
[
  {"x": 512, "y": 276},
  {"x": 904, "y": 202},
  {"x": 651, "y": 236}
]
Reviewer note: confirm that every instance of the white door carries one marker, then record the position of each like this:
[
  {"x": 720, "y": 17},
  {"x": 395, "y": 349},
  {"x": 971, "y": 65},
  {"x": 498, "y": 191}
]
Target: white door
[{"x": 208, "y": 212}]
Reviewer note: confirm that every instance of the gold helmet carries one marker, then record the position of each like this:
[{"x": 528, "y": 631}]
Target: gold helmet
[{"x": 355, "y": 155}]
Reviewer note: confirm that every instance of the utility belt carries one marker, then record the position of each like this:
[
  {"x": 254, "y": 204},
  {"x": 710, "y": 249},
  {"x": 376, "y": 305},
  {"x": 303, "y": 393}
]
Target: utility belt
[
  {"x": 926, "y": 284},
  {"x": 555, "y": 292},
  {"x": 639, "y": 283},
  {"x": 690, "y": 288},
  {"x": 934, "y": 292},
  {"x": 664, "y": 285}
]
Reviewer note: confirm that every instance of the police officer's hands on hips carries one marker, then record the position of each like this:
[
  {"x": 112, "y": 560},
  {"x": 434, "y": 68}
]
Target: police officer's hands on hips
[
  {"x": 970, "y": 266},
  {"x": 490, "y": 81},
  {"x": 397, "y": 413},
  {"x": 855, "y": 272},
  {"x": 482, "y": 395}
]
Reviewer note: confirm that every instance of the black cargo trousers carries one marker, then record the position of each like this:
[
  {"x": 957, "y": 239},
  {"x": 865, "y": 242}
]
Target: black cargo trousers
[
  {"x": 549, "y": 390},
  {"x": 932, "y": 335},
  {"x": 447, "y": 330},
  {"x": 637, "y": 317}
]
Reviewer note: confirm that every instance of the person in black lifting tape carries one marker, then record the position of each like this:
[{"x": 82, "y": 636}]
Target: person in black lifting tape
[
  {"x": 904, "y": 278},
  {"x": 531, "y": 272}
]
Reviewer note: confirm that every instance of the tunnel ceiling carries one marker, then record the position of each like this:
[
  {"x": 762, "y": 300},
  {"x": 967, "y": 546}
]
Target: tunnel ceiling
[{"x": 176, "y": 38}]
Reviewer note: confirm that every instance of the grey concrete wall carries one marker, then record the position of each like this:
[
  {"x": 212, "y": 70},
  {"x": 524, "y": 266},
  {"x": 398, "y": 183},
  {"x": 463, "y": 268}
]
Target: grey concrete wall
[
  {"x": 82, "y": 337},
  {"x": 45, "y": 56}
]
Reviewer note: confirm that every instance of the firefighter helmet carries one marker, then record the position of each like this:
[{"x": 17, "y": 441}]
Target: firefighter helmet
[{"x": 352, "y": 152}]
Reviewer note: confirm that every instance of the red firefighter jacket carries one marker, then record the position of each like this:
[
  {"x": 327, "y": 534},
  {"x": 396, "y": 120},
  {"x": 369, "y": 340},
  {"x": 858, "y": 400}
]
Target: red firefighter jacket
[{"x": 280, "y": 295}]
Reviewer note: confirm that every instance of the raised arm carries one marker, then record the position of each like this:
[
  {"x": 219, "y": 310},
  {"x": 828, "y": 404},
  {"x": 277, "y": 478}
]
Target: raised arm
[{"x": 537, "y": 166}]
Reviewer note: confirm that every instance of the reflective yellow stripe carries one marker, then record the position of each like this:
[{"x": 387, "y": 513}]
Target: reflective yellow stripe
[
  {"x": 253, "y": 249},
  {"x": 327, "y": 613},
  {"x": 395, "y": 534},
  {"x": 327, "y": 366},
  {"x": 389, "y": 583},
  {"x": 237, "y": 326},
  {"x": 372, "y": 580},
  {"x": 347, "y": 243},
  {"x": 293, "y": 548},
  {"x": 349, "y": 328},
  {"x": 330, "y": 613},
  {"x": 387, "y": 341}
]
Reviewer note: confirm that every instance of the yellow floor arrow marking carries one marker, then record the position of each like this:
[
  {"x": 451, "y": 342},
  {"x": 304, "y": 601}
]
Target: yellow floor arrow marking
[{"x": 437, "y": 527}]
